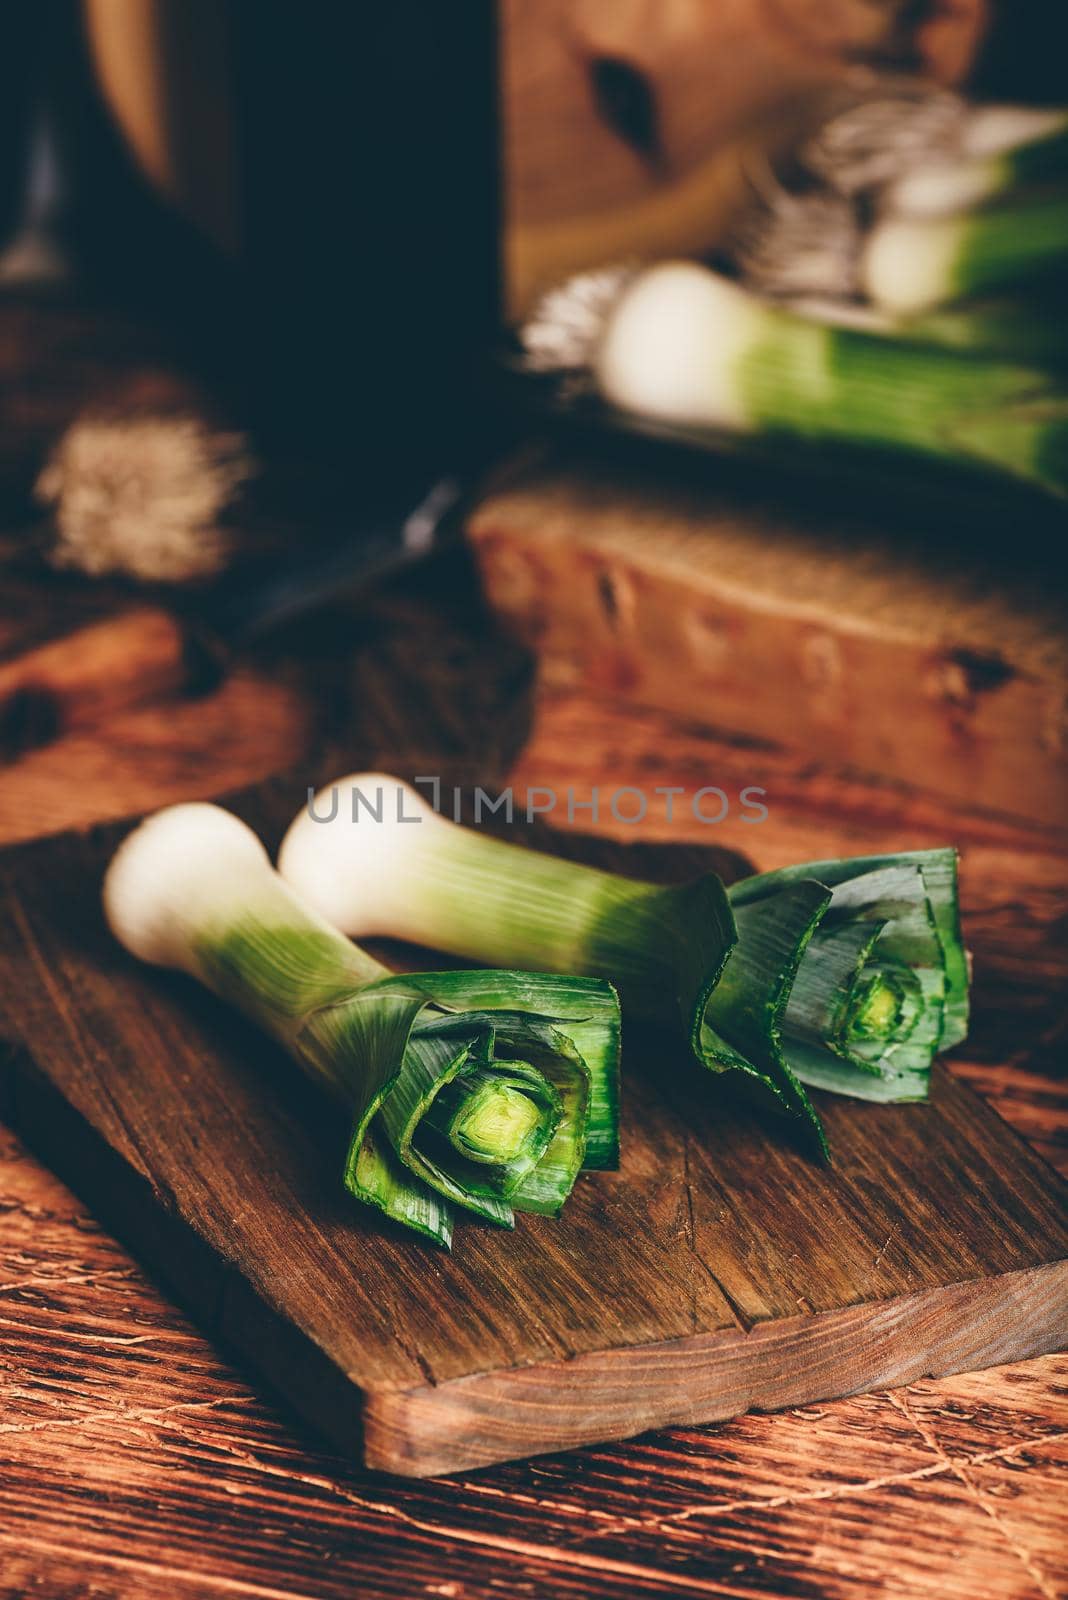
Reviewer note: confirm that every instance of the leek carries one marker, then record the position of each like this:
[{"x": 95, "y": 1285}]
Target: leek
[
  {"x": 1002, "y": 150},
  {"x": 687, "y": 346},
  {"x": 911, "y": 264},
  {"x": 844, "y": 975},
  {"x": 483, "y": 1092},
  {"x": 1034, "y": 330}
]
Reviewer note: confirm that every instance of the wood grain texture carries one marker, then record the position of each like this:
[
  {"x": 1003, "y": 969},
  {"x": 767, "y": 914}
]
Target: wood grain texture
[
  {"x": 146, "y": 756},
  {"x": 767, "y": 1367},
  {"x": 862, "y": 647},
  {"x": 136, "y": 1462},
  {"x": 85, "y": 677},
  {"x": 628, "y": 125},
  {"x": 719, "y": 1270}
]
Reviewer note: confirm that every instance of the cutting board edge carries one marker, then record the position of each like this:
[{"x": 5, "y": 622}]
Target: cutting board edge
[
  {"x": 516, "y": 1412},
  {"x": 424, "y": 1430},
  {"x": 209, "y": 1289}
]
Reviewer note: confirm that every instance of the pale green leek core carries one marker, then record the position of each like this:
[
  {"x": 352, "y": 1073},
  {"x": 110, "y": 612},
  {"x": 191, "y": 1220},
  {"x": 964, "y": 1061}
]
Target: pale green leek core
[
  {"x": 483, "y": 1092},
  {"x": 688, "y": 347},
  {"x": 846, "y": 975}
]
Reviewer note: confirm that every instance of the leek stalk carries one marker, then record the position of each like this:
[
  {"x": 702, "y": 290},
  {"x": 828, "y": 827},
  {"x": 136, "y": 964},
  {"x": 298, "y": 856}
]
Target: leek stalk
[
  {"x": 480, "y": 1092},
  {"x": 844, "y": 975},
  {"x": 1035, "y": 330},
  {"x": 687, "y": 346}
]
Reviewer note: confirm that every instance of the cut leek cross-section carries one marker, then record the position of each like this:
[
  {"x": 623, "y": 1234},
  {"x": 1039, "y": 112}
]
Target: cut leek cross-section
[
  {"x": 843, "y": 975},
  {"x": 882, "y": 984},
  {"x": 483, "y": 1092}
]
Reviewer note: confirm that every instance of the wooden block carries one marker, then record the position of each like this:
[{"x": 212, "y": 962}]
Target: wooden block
[
  {"x": 719, "y": 1270},
  {"x": 936, "y": 662}
]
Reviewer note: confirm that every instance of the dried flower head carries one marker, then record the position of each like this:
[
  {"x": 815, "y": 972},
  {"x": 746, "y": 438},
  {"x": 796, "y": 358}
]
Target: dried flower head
[{"x": 144, "y": 495}]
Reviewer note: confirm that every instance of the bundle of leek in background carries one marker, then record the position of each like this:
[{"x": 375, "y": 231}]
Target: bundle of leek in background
[
  {"x": 903, "y": 293},
  {"x": 479, "y": 1091},
  {"x": 849, "y": 975}
]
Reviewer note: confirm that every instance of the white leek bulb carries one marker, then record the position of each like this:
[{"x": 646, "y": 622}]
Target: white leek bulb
[
  {"x": 405, "y": 872},
  {"x": 1003, "y": 150},
  {"x": 186, "y": 869},
  {"x": 356, "y": 853},
  {"x": 672, "y": 344},
  {"x": 908, "y": 265}
]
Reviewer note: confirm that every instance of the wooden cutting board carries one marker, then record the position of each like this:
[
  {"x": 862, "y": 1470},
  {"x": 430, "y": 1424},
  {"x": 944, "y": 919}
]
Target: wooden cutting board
[{"x": 719, "y": 1271}]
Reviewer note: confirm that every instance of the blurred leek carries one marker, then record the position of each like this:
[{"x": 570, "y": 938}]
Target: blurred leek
[
  {"x": 847, "y": 975},
  {"x": 1001, "y": 150},
  {"x": 911, "y": 264},
  {"x": 1034, "y": 332},
  {"x": 482, "y": 1092},
  {"x": 687, "y": 346}
]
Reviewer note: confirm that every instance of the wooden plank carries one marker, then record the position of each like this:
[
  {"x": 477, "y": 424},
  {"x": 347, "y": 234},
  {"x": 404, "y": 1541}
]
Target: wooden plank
[
  {"x": 84, "y": 678},
  {"x": 776, "y": 1364},
  {"x": 147, "y": 757},
  {"x": 136, "y": 1462},
  {"x": 717, "y": 1243},
  {"x": 914, "y": 656}
]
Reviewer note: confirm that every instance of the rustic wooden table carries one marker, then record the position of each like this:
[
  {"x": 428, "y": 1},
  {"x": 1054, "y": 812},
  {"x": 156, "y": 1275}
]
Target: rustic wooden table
[{"x": 138, "y": 1462}]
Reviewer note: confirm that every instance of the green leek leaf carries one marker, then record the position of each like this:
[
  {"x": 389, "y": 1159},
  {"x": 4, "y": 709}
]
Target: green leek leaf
[{"x": 883, "y": 984}]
